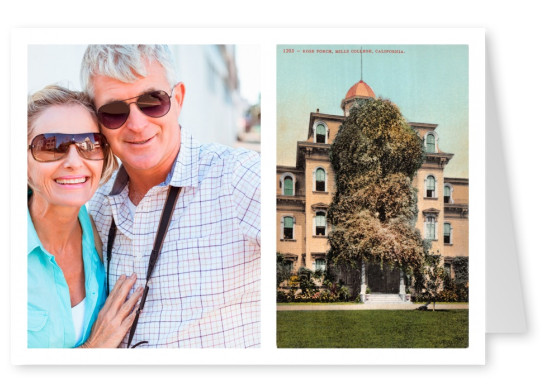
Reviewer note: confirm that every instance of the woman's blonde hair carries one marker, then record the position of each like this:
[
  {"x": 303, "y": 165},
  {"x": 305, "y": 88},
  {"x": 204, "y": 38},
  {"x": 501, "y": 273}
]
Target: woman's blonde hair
[{"x": 54, "y": 95}]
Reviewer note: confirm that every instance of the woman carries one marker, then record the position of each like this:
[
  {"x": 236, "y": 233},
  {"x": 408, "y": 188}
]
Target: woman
[{"x": 67, "y": 160}]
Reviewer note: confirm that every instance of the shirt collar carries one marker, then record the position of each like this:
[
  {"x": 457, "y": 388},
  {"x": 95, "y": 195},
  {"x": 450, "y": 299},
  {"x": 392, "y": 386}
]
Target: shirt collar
[
  {"x": 183, "y": 173},
  {"x": 32, "y": 237},
  {"x": 33, "y": 241}
]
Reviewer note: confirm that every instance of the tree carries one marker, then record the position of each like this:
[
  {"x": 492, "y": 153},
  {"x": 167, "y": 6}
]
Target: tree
[
  {"x": 457, "y": 288},
  {"x": 430, "y": 276},
  {"x": 375, "y": 156}
]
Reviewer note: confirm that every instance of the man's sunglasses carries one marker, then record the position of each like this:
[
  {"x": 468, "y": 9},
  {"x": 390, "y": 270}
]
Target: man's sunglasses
[
  {"x": 49, "y": 147},
  {"x": 153, "y": 104}
]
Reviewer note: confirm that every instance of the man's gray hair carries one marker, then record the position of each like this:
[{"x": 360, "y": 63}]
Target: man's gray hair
[{"x": 125, "y": 63}]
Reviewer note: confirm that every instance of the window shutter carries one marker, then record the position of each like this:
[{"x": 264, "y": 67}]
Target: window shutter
[
  {"x": 430, "y": 183},
  {"x": 287, "y": 222},
  {"x": 320, "y": 220},
  {"x": 288, "y": 186},
  {"x": 320, "y": 175},
  {"x": 430, "y": 144},
  {"x": 320, "y": 129}
]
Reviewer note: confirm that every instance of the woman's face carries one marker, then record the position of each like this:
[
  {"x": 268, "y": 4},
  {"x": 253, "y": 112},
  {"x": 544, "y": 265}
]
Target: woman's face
[{"x": 72, "y": 180}]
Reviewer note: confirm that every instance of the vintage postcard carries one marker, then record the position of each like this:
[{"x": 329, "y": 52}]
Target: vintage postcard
[{"x": 372, "y": 182}]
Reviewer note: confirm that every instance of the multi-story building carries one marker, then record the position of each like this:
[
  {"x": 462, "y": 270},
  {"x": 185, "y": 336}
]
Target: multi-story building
[{"x": 305, "y": 191}]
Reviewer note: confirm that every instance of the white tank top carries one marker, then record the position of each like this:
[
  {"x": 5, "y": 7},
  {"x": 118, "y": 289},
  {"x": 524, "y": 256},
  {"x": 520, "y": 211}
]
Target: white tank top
[{"x": 78, "y": 319}]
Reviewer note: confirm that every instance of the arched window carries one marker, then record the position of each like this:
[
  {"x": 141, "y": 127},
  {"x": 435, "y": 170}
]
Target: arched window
[
  {"x": 430, "y": 227},
  {"x": 431, "y": 143},
  {"x": 288, "y": 228},
  {"x": 447, "y": 233},
  {"x": 320, "y": 224},
  {"x": 447, "y": 194},
  {"x": 288, "y": 186},
  {"x": 320, "y": 179},
  {"x": 430, "y": 185},
  {"x": 287, "y": 183},
  {"x": 321, "y": 133}
]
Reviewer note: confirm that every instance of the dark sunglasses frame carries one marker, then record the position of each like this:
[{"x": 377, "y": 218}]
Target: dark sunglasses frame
[
  {"x": 63, "y": 142},
  {"x": 143, "y": 102}
]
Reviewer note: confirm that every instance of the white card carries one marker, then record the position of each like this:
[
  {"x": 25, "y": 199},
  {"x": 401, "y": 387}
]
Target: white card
[{"x": 268, "y": 40}]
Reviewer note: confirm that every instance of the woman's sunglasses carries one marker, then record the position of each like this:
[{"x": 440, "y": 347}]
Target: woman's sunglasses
[
  {"x": 49, "y": 147},
  {"x": 153, "y": 104}
]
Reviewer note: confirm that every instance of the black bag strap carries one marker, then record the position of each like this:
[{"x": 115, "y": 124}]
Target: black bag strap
[{"x": 164, "y": 222}]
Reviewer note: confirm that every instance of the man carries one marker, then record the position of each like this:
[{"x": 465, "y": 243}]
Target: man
[{"x": 204, "y": 289}]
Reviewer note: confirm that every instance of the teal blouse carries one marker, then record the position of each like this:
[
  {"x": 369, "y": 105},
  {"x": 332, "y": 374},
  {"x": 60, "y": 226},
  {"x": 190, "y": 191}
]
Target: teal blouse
[{"x": 50, "y": 322}]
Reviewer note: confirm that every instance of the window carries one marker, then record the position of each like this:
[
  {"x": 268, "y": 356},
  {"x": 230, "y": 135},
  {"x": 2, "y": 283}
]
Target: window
[
  {"x": 288, "y": 227},
  {"x": 447, "y": 233},
  {"x": 430, "y": 228},
  {"x": 320, "y": 264},
  {"x": 431, "y": 187},
  {"x": 320, "y": 180},
  {"x": 288, "y": 186},
  {"x": 288, "y": 264},
  {"x": 287, "y": 183},
  {"x": 448, "y": 189},
  {"x": 431, "y": 145},
  {"x": 320, "y": 133},
  {"x": 320, "y": 223}
]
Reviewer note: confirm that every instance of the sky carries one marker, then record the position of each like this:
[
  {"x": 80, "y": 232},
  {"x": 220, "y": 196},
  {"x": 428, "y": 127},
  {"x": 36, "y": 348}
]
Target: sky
[{"x": 429, "y": 83}]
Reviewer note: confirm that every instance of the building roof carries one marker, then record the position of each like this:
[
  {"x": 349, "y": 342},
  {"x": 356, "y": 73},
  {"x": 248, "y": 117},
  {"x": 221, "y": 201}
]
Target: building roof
[{"x": 361, "y": 90}]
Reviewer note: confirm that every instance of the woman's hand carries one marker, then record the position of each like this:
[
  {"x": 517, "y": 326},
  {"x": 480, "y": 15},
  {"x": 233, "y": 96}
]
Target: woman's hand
[{"x": 116, "y": 316}]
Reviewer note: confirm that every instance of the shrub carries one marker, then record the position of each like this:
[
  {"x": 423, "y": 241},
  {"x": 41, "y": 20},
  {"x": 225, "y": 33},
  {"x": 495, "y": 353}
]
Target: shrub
[
  {"x": 285, "y": 296},
  {"x": 344, "y": 293},
  {"x": 448, "y": 295}
]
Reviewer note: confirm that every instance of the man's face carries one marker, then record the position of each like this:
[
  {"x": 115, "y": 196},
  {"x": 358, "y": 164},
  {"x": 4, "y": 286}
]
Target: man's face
[{"x": 145, "y": 145}]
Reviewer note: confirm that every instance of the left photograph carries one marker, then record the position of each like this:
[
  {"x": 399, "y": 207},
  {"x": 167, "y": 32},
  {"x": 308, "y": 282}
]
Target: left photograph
[{"x": 143, "y": 176}]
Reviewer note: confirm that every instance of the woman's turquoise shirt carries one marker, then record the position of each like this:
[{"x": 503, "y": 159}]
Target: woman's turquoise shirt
[{"x": 50, "y": 322}]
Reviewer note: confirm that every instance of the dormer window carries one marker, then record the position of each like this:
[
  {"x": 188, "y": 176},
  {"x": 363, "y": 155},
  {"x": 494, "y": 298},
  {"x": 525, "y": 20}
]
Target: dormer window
[
  {"x": 320, "y": 134},
  {"x": 431, "y": 143}
]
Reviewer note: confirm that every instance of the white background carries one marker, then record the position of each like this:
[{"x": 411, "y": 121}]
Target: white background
[{"x": 517, "y": 46}]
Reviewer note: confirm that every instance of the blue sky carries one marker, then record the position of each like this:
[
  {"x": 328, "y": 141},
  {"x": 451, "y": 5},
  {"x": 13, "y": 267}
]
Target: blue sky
[{"x": 428, "y": 82}]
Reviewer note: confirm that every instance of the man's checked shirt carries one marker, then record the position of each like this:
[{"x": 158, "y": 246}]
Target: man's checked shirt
[{"x": 205, "y": 289}]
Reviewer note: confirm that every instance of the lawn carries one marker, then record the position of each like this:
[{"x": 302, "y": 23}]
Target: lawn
[{"x": 373, "y": 329}]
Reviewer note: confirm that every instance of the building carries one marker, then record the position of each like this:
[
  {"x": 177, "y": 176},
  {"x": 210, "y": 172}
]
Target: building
[{"x": 305, "y": 191}]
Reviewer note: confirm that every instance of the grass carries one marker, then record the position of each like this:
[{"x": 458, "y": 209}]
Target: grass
[
  {"x": 310, "y": 303},
  {"x": 373, "y": 329}
]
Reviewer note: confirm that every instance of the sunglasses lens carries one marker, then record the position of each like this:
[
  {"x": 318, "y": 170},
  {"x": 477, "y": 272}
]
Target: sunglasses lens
[
  {"x": 91, "y": 145},
  {"x": 154, "y": 104},
  {"x": 44, "y": 148},
  {"x": 50, "y": 147},
  {"x": 113, "y": 115}
]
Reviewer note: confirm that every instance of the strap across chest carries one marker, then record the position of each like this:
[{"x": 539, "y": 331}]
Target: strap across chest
[{"x": 164, "y": 222}]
